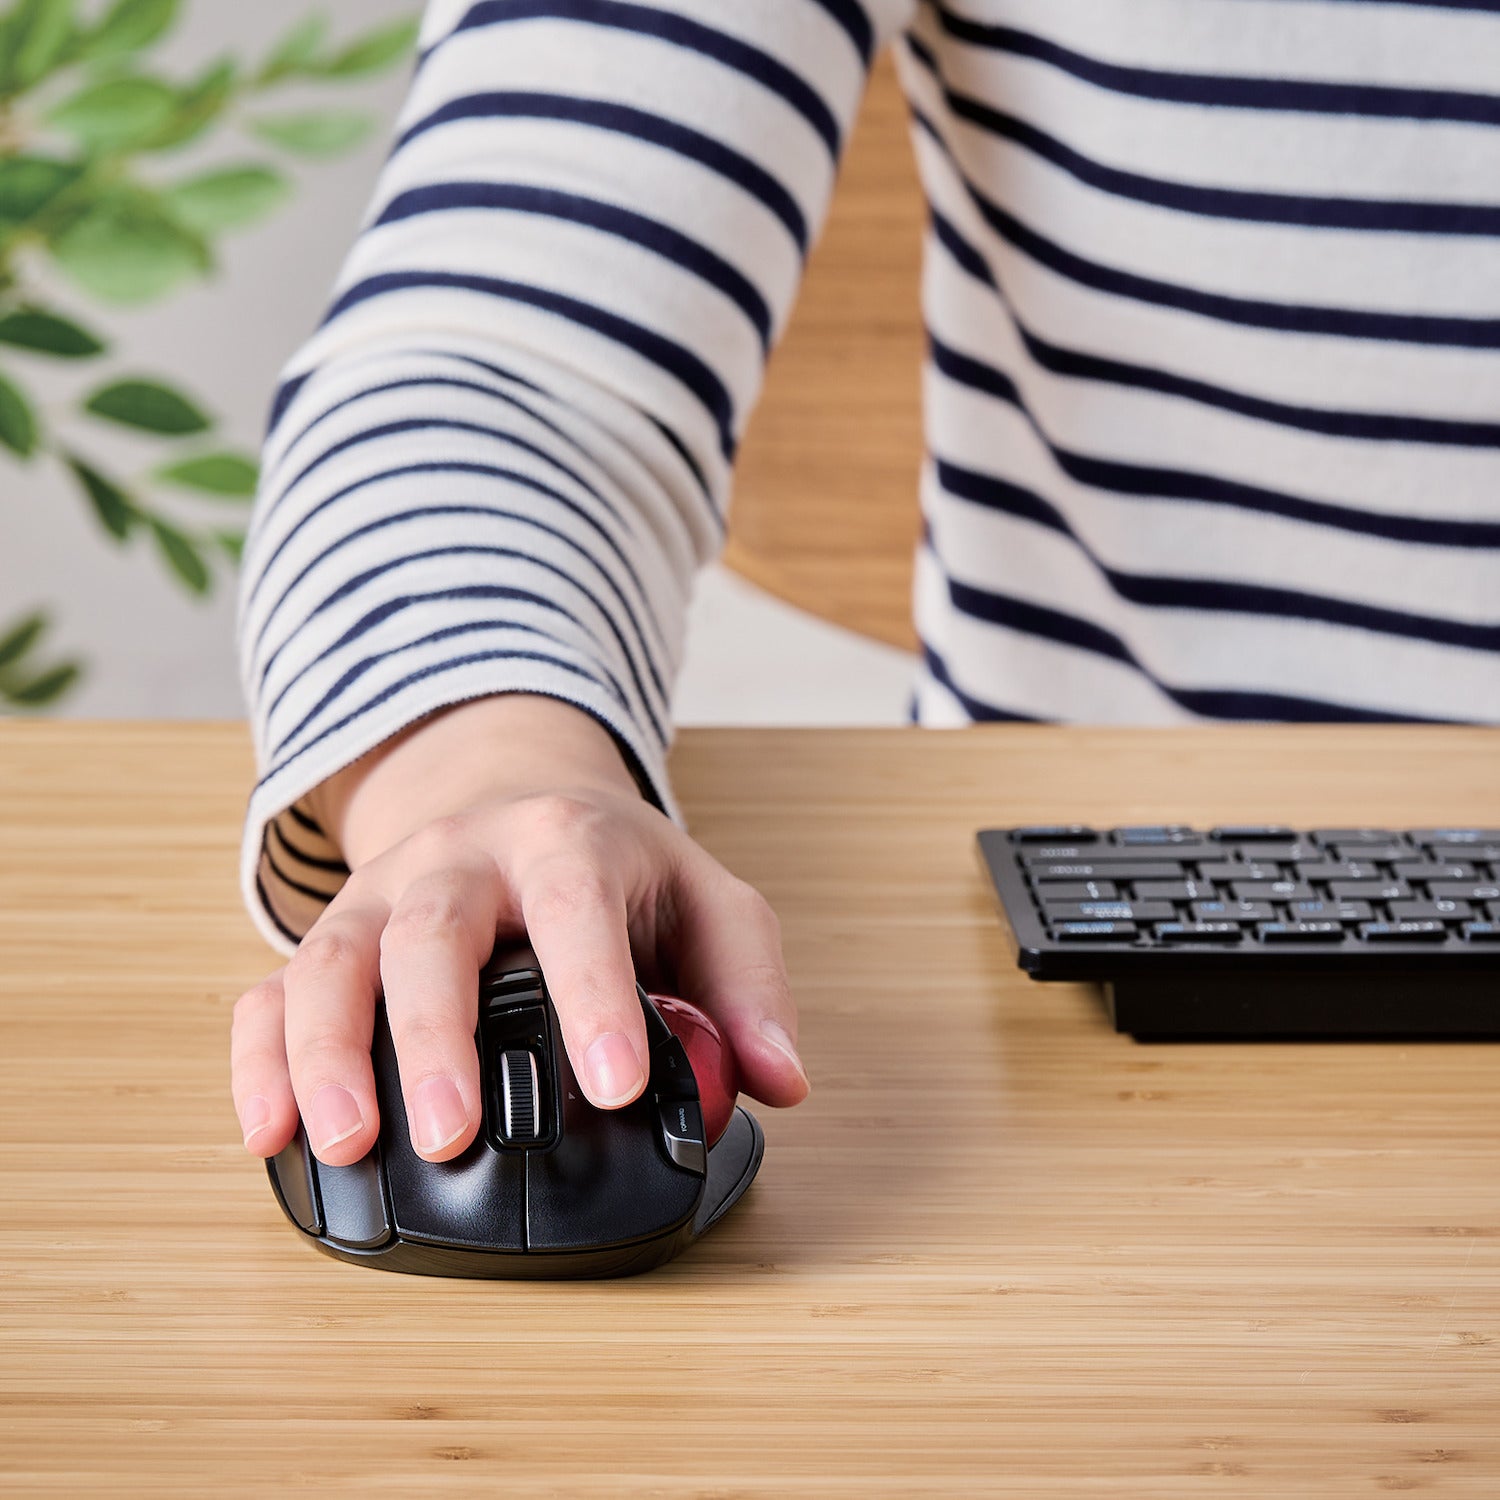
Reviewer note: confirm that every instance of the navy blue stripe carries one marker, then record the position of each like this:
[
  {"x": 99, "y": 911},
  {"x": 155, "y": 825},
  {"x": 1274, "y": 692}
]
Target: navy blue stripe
[
  {"x": 679, "y": 31},
  {"x": 1370, "y": 426},
  {"x": 359, "y": 580},
  {"x": 313, "y": 861},
  {"x": 438, "y": 510},
  {"x": 607, "y": 218},
  {"x": 358, "y": 670},
  {"x": 300, "y": 886},
  {"x": 286, "y": 393},
  {"x": 1229, "y": 92},
  {"x": 850, "y": 15},
  {"x": 1184, "y": 484},
  {"x": 1398, "y": 216},
  {"x": 457, "y": 664},
  {"x": 489, "y": 471},
  {"x": 622, "y": 119},
  {"x": 1049, "y": 624},
  {"x": 302, "y": 820},
  {"x": 663, "y": 352},
  {"x": 1215, "y": 595},
  {"x": 266, "y": 904},
  {"x": 976, "y": 708},
  {"x": 1410, "y": 328}
]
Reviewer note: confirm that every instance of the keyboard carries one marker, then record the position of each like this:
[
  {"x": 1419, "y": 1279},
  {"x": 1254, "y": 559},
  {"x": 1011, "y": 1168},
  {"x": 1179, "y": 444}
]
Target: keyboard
[{"x": 1240, "y": 932}]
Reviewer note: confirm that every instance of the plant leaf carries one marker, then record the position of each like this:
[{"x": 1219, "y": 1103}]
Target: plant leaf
[
  {"x": 17, "y": 421},
  {"x": 233, "y": 543},
  {"x": 181, "y": 555},
  {"x": 40, "y": 35},
  {"x": 314, "y": 132},
  {"x": 231, "y": 475},
  {"x": 29, "y": 183},
  {"x": 47, "y": 688},
  {"x": 19, "y": 639},
  {"x": 295, "y": 52},
  {"x": 373, "y": 51},
  {"x": 130, "y": 25},
  {"x": 198, "y": 106},
  {"x": 228, "y": 198},
  {"x": 117, "y": 113},
  {"x": 111, "y": 504},
  {"x": 148, "y": 405},
  {"x": 47, "y": 333},
  {"x": 127, "y": 248}
]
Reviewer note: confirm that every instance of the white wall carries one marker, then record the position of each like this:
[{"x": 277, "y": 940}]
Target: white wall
[{"x": 150, "y": 648}]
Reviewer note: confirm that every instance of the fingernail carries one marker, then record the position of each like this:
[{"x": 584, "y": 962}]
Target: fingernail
[
  {"x": 778, "y": 1036},
  {"x": 255, "y": 1116},
  {"x": 614, "y": 1070},
  {"x": 333, "y": 1116},
  {"x": 439, "y": 1114}
]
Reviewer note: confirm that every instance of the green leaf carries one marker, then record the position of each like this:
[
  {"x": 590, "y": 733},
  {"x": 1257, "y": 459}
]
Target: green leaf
[
  {"x": 112, "y": 505},
  {"x": 127, "y": 248},
  {"x": 47, "y": 333},
  {"x": 29, "y": 183},
  {"x": 315, "y": 132},
  {"x": 295, "y": 52},
  {"x": 41, "y": 32},
  {"x": 228, "y": 198},
  {"x": 17, "y": 421},
  {"x": 130, "y": 25},
  {"x": 18, "y": 640},
  {"x": 229, "y": 474},
  {"x": 198, "y": 106},
  {"x": 149, "y": 406},
  {"x": 45, "y": 689},
  {"x": 115, "y": 114},
  {"x": 181, "y": 555},
  {"x": 233, "y": 543},
  {"x": 373, "y": 51}
]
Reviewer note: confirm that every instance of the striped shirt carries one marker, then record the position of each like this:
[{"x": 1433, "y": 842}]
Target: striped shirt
[{"x": 1212, "y": 292}]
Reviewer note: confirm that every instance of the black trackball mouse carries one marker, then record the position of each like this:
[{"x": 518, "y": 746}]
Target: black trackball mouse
[{"x": 551, "y": 1187}]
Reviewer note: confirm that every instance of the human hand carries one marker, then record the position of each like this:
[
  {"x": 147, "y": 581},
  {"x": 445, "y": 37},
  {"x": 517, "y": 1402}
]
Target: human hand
[{"x": 512, "y": 816}]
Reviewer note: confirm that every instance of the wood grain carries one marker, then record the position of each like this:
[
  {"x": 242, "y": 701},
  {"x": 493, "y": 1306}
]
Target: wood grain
[
  {"x": 1001, "y": 1250},
  {"x": 825, "y": 513}
]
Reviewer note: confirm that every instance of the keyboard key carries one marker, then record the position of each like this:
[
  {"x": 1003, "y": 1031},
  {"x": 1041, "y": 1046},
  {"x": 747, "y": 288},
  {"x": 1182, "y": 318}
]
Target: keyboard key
[
  {"x": 1083, "y": 890},
  {"x": 1425, "y": 872},
  {"x": 1109, "y": 911},
  {"x": 1232, "y": 833},
  {"x": 1059, "y": 833},
  {"x": 1403, "y": 932},
  {"x": 1173, "y": 890},
  {"x": 1093, "y": 870},
  {"x": 1300, "y": 932},
  {"x": 1233, "y": 911},
  {"x": 1199, "y": 932},
  {"x": 1270, "y": 854},
  {"x": 1094, "y": 932},
  {"x": 1455, "y": 835},
  {"x": 1482, "y": 932},
  {"x": 1241, "y": 870},
  {"x": 1156, "y": 835},
  {"x": 1430, "y": 911},
  {"x": 1271, "y": 890},
  {"x": 1355, "y": 836},
  {"x": 1369, "y": 890},
  {"x": 1463, "y": 890},
  {"x": 1372, "y": 854},
  {"x": 1330, "y": 911},
  {"x": 1328, "y": 869},
  {"x": 1485, "y": 853}
]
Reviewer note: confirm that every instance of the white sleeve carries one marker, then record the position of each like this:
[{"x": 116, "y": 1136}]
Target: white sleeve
[{"x": 499, "y": 462}]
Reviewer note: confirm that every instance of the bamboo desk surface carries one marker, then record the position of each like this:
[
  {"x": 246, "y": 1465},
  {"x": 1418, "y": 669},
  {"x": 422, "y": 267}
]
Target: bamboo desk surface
[{"x": 1001, "y": 1250}]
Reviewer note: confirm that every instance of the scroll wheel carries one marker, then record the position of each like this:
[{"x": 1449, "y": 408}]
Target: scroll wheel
[{"x": 518, "y": 1096}]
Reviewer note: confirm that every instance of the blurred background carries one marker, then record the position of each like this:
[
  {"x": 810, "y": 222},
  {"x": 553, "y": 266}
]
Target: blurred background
[{"x": 179, "y": 181}]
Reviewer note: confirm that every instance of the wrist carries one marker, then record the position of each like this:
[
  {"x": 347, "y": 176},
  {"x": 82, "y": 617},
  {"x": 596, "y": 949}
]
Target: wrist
[{"x": 507, "y": 745}]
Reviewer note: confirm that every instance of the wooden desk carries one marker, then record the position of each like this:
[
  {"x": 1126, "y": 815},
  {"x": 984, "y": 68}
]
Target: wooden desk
[{"x": 1000, "y": 1251}]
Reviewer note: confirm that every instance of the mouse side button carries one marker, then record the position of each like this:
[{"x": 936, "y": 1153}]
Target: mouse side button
[
  {"x": 354, "y": 1203},
  {"x": 291, "y": 1176},
  {"x": 681, "y": 1123}
]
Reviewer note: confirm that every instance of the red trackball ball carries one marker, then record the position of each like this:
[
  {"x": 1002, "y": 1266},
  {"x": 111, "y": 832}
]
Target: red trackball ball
[{"x": 712, "y": 1062}]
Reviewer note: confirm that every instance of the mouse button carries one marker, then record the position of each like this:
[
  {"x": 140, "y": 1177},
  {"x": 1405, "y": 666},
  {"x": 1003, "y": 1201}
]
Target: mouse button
[
  {"x": 671, "y": 1072},
  {"x": 657, "y": 1030},
  {"x": 516, "y": 1066},
  {"x": 354, "y": 1210},
  {"x": 681, "y": 1124},
  {"x": 292, "y": 1176},
  {"x": 476, "y": 1200},
  {"x": 498, "y": 987}
]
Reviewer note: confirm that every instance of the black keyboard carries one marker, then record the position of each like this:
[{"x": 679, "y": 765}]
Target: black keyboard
[{"x": 1262, "y": 932}]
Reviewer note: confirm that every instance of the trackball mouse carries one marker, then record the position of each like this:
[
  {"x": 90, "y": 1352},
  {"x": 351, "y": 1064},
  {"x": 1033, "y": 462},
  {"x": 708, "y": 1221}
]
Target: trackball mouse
[{"x": 551, "y": 1187}]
